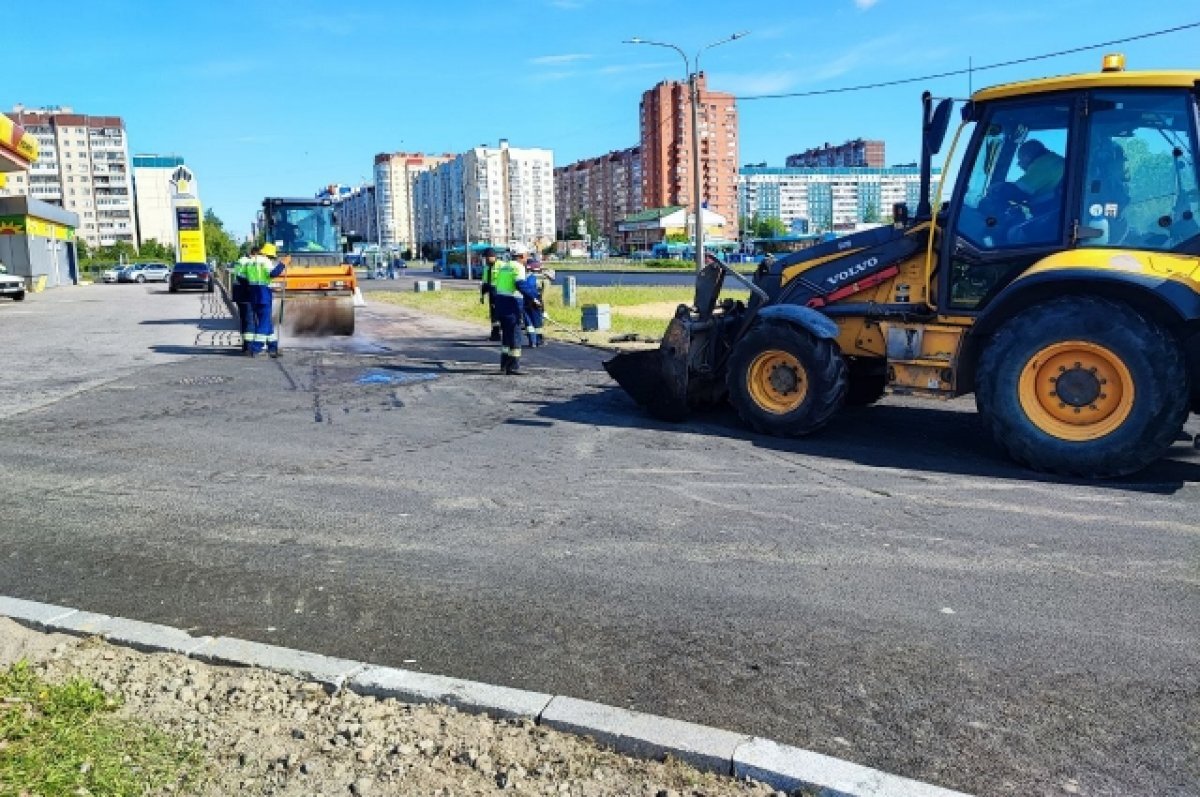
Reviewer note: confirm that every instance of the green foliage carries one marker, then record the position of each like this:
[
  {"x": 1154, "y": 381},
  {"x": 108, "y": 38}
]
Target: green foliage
[
  {"x": 1152, "y": 185},
  {"x": 655, "y": 307},
  {"x": 82, "y": 250},
  {"x": 767, "y": 226},
  {"x": 591, "y": 225},
  {"x": 678, "y": 238},
  {"x": 218, "y": 244},
  {"x": 121, "y": 251},
  {"x": 153, "y": 250},
  {"x": 871, "y": 214},
  {"x": 63, "y": 739}
]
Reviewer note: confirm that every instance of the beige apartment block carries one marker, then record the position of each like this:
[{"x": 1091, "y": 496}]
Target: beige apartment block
[
  {"x": 395, "y": 179},
  {"x": 500, "y": 195},
  {"x": 84, "y": 167}
]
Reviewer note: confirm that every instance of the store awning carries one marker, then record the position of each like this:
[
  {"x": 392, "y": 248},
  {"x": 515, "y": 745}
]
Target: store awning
[{"x": 18, "y": 148}]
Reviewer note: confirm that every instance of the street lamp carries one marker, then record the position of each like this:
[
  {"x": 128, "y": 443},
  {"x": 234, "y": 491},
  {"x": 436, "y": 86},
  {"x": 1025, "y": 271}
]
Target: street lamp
[{"x": 692, "y": 74}]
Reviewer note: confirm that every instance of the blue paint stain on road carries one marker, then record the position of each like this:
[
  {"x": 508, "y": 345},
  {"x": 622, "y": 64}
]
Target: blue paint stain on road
[{"x": 384, "y": 378}]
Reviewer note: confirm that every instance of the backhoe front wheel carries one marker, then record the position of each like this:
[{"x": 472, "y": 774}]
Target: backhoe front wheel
[
  {"x": 784, "y": 381},
  {"x": 1083, "y": 386}
]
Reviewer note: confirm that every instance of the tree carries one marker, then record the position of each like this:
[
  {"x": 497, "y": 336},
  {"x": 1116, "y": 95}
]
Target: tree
[
  {"x": 82, "y": 252},
  {"x": 151, "y": 248},
  {"x": 766, "y": 227},
  {"x": 871, "y": 213},
  {"x": 218, "y": 243},
  {"x": 678, "y": 238},
  {"x": 590, "y": 225},
  {"x": 121, "y": 251}
]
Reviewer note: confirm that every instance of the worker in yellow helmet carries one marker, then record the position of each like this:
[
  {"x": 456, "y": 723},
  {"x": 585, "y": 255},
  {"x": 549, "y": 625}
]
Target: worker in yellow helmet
[{"x": 255, "y": 277}]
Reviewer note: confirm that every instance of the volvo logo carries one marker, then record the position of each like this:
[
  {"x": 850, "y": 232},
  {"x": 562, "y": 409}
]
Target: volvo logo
[{"x": 852, "y": 271}]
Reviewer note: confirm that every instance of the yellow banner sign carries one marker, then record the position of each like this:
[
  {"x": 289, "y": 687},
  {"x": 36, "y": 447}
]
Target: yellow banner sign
[{"x": 14, "y": 139}]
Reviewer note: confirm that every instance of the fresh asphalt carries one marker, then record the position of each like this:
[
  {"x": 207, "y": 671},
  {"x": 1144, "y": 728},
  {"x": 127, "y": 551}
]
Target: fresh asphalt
[{"x": 892, "y": 592}]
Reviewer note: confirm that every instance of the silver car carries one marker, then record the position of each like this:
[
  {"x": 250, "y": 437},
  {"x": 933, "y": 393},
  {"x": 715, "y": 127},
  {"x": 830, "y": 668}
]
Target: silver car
[{"x": 145, "y": 272}]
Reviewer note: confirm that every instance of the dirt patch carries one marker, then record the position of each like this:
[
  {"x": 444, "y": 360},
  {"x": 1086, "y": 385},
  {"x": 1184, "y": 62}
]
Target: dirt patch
[
  {"x": 663, "y": 310},
  {"x": 267, "y": 734}
]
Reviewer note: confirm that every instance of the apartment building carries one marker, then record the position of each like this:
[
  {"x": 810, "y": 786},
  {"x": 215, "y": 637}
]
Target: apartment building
[
  {"x": 154, "y": 177},
  {"x": 666, "y": 145},
  {"x": 500, "y": 195},
  {"x": 395, "y": 179},
  {"x": 606, "y": 189},
  {"x": 828, "y": 199},
  {"x": 858, "y": 153},
  {"x": 83, "y": 166}
]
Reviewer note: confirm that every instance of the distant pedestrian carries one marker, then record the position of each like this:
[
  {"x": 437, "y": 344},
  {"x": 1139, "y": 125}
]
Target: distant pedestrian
[
  {"x": 511, "y": 292},
  {"x": 487, "y": 289},
  {"x": 256, "y": 276}
]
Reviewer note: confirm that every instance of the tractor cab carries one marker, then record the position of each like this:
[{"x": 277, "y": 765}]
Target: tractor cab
[{"x": 1060, "y": 166}]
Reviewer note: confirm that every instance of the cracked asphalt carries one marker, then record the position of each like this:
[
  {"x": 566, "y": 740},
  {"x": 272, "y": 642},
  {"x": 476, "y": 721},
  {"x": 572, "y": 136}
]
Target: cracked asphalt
[{"x": 892, "y": 592}]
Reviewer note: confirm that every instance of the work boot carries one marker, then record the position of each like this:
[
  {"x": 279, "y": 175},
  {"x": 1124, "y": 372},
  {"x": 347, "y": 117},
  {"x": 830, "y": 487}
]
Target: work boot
[
  {"x": 514, "y": 367},
  {"x": 495, "y": 334},
  {"x": 504, "y": 362},
  {"x": 531, "y": 339},
  {"x": 275, "y": 354}
]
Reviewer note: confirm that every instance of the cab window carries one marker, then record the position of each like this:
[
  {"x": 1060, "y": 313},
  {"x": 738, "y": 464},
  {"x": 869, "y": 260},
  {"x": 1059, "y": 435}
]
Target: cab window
[
  {"x": 1014, "y": 196},
  {"x": 1140, "y": 186}
]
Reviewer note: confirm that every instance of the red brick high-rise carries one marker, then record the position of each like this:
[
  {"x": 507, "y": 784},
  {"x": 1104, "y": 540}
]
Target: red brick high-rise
[{"x": 666, "y": 125}]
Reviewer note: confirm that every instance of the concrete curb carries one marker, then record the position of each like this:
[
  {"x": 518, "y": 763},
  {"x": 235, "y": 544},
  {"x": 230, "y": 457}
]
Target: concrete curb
[{"x": 630, "y": 732}]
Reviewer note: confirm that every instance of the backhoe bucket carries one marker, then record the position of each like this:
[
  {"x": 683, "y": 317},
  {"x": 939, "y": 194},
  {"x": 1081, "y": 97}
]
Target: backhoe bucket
[{"x": 657, "y": 379}]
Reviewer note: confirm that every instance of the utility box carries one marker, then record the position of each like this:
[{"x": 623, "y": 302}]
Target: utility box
[
  {"x": 596, "y": 317},
  {"x": 570, "y": 298}
]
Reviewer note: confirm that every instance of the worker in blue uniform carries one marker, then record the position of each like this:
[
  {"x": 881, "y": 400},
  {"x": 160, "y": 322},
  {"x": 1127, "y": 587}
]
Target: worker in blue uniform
[
  {"x": 510, "y": 290},
  {"x": 534, "y": 305},
  {"x": 256, "y": 277}
]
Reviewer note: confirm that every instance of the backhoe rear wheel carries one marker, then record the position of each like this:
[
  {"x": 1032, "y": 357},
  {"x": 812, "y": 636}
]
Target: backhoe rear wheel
[
  {"x": 1083, "y": 386},
  {"x": 784, "y": 381}
]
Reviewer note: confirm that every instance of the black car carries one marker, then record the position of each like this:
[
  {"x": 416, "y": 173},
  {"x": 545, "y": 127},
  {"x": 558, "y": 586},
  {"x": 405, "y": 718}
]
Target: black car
[{"x": 191, "y": 275}]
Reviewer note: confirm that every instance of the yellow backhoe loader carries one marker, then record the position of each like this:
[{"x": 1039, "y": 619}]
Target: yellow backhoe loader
[{"x": 1059, "y": 282}]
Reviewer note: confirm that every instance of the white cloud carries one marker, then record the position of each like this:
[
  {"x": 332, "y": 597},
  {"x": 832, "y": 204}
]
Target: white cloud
[
  {"x": 865, "y": 4},
  {"x": 749, "y": 84},
  {"x": 565, "y": 58}
]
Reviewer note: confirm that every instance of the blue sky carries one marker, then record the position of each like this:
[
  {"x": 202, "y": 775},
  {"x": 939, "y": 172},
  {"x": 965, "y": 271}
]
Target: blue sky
[{"x": 269, "y": 98}]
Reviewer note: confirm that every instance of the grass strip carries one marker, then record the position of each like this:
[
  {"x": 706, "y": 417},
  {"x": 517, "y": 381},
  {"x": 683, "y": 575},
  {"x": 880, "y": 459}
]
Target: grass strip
[
  {"x": 636, "y": 310},
  {"x": 64, "y": 739}
]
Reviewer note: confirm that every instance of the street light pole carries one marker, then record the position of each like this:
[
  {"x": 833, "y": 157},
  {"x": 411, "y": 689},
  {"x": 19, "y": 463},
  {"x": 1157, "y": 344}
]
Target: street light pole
[{"x": 692, "y": 71}]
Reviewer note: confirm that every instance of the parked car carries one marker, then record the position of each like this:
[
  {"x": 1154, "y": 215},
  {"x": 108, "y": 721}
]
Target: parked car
[
  {"x": 191, "y": 275},
  {"x": 10, "y": 286},
  {"x": 144, "y": 272},
  {"x": 112, "y": 274}
]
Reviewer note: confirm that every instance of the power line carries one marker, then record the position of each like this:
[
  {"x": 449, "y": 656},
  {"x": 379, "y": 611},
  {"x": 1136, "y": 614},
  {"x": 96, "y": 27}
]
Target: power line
[{"x": 971, "y": 70}]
